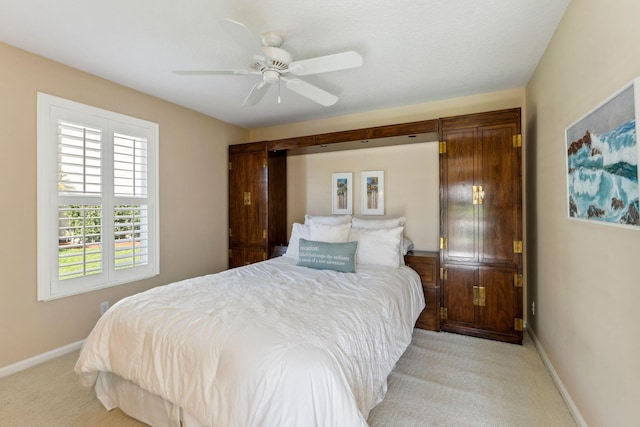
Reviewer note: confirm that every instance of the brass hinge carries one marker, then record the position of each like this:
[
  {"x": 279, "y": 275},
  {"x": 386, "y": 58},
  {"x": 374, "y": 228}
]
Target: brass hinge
[
  {"x": 443, "y": 243},
  {"x": 517, "y": 140},
  {"x": 443, "y": 313},
  {"x": 477, "y": 194},
  {"x": 230, "y": 253},
  {"x": 265, "y": 163},
  {"x": 230, "y": 232},
  {"x": 443, "y": 274},
  {"x": 230, "y": 167},
  {"x": 264, "y": 234},
  {"x": 264, "y": 255},
  {"x": 517, "y": 246},
  {"x": 442, "y": 147},
  {"x": 517, "y": 324},
  {"x": 517, "y": 280}
]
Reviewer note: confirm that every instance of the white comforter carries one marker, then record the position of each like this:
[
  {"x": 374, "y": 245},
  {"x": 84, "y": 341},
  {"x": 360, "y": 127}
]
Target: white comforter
[{"x": 270, "y": 344}]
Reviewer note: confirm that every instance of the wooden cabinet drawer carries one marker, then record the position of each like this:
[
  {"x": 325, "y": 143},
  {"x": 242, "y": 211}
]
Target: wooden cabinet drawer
[
  {"x": 426, "y": 265},
  {"x": 430, "y": 317}
]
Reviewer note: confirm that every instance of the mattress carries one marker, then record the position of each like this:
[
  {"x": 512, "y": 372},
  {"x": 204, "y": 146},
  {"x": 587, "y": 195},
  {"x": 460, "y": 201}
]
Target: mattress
[{"x": 269, "y": 344}]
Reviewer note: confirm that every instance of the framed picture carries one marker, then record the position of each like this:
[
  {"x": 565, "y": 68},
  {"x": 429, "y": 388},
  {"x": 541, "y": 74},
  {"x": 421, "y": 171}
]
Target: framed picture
[
  {"x": 342, "y": 190},
  {"x": 372, "y": 193},
  {"x": 602, "y": 162}
]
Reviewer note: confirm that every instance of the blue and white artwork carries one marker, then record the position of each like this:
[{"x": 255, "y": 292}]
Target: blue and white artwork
[{"x": 602, "y": 163}]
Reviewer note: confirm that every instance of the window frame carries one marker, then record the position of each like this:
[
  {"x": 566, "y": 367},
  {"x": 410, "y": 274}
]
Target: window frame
[{"x": 51, "y": 109}]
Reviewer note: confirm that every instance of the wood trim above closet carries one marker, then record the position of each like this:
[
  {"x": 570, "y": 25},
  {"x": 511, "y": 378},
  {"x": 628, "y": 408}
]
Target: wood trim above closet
[{"x": 378, "y": 136}]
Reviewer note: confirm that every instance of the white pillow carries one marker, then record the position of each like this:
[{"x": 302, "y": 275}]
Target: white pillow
[
  {"x": 330, "y": 233},
  {"x": 407, "y": 245},
  {"x": 327, "y": 219},
  {"x": 298, "y": 231},
  {"x": 378, "y": 247},
  {"x": 372, "y": 224}
]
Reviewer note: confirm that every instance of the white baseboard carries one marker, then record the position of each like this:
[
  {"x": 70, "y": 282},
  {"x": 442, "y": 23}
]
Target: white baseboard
[
  {"x": 41, "y": 358},
  {"x": 577, "y": 417}
]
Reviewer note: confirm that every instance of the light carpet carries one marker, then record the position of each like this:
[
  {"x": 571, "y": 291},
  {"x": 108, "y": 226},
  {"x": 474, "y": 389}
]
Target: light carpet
[{"x": 442, "y": 380}]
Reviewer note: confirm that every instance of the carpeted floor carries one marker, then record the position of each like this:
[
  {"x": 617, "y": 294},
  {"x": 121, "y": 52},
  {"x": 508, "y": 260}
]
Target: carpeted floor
[{"x": 441, "y": 380}]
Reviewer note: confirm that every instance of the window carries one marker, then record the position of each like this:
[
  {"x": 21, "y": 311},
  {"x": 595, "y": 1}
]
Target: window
[{"x": 97, "y": 198}]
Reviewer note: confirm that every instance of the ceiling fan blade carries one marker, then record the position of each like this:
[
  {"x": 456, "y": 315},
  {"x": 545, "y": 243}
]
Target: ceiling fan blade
[
  {"x": 243, "y": 36},
  {"x": 258, "y": 92},
  {"x": 324, "y": 64},
  {"x": 310, "y": 91},
  {"x": 214, "y": 72}
]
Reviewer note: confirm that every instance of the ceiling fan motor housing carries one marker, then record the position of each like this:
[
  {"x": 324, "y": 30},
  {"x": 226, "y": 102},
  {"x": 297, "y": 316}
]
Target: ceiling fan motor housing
[{"x": 277, "y": 55}]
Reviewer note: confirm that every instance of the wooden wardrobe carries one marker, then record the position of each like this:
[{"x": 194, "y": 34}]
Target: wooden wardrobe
[
  {"x": 481, "y": 225},
  {"x": 257, "y": 202}
]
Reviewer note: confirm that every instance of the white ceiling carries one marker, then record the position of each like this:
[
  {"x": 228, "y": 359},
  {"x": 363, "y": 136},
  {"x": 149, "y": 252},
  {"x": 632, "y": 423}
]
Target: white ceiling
[{"x": 413, "y": 51}]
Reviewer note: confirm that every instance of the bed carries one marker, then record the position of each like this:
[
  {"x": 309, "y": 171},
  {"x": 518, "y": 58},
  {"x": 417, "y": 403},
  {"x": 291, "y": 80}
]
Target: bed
[{"x": 269, "y": 344}]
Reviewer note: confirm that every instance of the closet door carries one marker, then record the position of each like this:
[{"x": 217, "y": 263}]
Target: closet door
[
  {"x": 498, "y": 301},
  {"x": 459, "y": 224},
  {"x": 499, "y": 212}
]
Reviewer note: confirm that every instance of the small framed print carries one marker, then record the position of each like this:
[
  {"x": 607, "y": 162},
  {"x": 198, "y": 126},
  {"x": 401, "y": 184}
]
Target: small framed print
[
  {"x": 342, "y": 190},
  {"x": 372, "y": 192}
]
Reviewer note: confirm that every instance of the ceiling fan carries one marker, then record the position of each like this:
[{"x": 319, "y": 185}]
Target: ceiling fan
[{"x": 275, "y": 64}]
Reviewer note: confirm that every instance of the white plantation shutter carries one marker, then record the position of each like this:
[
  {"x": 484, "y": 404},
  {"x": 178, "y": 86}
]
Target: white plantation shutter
[
  {"x": 131, "y": 213},
  {"x": 97, "y": 198},
  {"x": 79, "y": 200}
]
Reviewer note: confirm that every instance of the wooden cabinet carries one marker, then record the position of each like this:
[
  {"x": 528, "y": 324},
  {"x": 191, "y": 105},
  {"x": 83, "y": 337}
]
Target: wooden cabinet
[
  {"x": 481, "y": 225},
  {"x": 257, "y": 202},
  {"x": 426, "y": 265}
]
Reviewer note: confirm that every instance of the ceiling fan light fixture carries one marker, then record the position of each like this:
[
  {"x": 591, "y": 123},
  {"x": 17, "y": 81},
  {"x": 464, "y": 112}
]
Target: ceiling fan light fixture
[{"x": 270, "y": 76}]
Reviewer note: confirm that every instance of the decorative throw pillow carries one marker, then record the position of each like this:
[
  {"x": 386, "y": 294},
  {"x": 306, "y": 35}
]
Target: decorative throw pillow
[
  {"x": 328, "y": 256},
  {"x": 330, "y": 233},
  {"x": 297, "y": 231},
  {"x": 327, "y": 219},
  {"x": 378, "y": 247}
]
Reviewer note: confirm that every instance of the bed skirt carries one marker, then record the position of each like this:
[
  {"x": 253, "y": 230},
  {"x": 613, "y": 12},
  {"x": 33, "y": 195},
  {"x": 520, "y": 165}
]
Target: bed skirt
[{"x": 115, "y": 392}]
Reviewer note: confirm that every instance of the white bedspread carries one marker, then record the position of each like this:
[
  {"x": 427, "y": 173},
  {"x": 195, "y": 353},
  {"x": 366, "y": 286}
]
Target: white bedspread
[{"x": 270, "y": 344}]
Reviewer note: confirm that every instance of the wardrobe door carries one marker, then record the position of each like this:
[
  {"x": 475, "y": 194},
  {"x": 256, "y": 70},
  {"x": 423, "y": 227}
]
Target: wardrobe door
[
  {"x": 499, "y": 208},
  {"x": 459, "y": 225},
  {"x": 498, "y": 311},
  {"x": 458, "y": 297}
]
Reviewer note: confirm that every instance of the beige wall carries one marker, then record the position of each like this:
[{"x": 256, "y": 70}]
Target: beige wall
[
  {"x": 411, "y": 171},
  {"x": 411, "y": 185},
  {"x": 583, "y": 277},
  {"x": 193, "y": 194}
]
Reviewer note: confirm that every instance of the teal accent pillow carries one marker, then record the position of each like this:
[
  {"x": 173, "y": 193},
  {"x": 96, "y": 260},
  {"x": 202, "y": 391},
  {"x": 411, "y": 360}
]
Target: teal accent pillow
[{"x": 328, "y": 256}]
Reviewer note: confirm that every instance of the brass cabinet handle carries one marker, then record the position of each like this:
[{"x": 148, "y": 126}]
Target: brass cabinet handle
[{"x": 479, "y": 296}]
